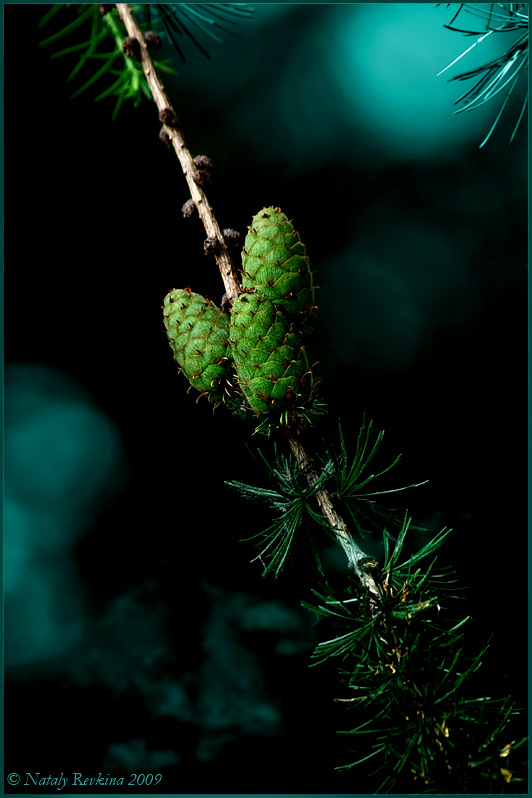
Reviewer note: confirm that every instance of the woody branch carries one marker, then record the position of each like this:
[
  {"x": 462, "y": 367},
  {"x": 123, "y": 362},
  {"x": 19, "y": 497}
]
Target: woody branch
[
  {"x": 170, "y": 122},
  {"x": 357, "y": 559}
]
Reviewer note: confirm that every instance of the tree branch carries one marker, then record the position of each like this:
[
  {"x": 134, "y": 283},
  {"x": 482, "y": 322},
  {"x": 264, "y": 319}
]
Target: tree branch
[
  {"x": 173, "y": 130},
  {"x": 357, "y": 559}
]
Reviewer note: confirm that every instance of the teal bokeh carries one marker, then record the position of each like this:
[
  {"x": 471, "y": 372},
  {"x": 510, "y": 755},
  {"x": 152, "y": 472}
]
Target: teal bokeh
[
  {"x": 386, "y": 295},
  {"x": 348, "y": 79},
  {"x": 63, "y": 458},
  {"x": 386, "y": 58}
]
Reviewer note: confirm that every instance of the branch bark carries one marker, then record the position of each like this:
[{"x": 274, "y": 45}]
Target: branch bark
[
  {"x": 357, "y": 559},
  {"x": 223, "y": 259}
]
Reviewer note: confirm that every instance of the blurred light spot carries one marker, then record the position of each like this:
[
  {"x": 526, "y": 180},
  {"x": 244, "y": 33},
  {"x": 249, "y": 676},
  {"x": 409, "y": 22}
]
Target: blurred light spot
[
  {"x": 62, "y": 456},
  {"x": 266, "y": 13},
  {"x": 291, "y": 109},
  {"x": 60, "y": 451},
  {"x": 271, "y": 615},
  {"x": 234, "y": 698},
  {"x": 174, "y": 701},
  {"x": 15, "y": 545},
  {"x": 44, "y": 618},
  {"x": 386, "y": 57},
  {"x": 134, "y": 755},
  {"x": 236, "y": 61},
  {"x": 125, "y": 646},
  {"x": 389, "y": 292}
]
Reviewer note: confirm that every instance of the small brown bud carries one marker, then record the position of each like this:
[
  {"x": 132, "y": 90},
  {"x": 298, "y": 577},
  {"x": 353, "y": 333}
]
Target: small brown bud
[
  {"x": 231, "y": 237},
  {"x": 188, "y": 209},
  {"x": 168, "y": 117},
  {"x": 165, "y": 138},
  {"x": 201, "y": 177},
  {"x": 211, "y": 246},
  {"x": 153, "y": 40},
  {"x": 226, "y": 304},
  {"x": 202, "y": 162},
  {"x": 131, "y": 47},
  {"x": 104, "y": 9}
]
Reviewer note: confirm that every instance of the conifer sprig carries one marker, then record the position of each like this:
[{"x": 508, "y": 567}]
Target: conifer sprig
[
  {"x": 502, "y": 74},
  {"x": 292, "y": 503},
  {"x": 106, "y": 30},
  {"x": 351, "y": 476},
  {"x": 293, "y": 499},
  {"x": 410, "y": 681}
]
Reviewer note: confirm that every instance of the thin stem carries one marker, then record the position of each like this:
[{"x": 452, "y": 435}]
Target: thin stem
[
  {"x": 223, "y": 259},
  {"x": 356, "y": 557}
]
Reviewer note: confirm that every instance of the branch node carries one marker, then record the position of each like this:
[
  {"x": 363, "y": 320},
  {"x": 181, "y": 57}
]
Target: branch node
[
  {"x": 165, "y": 138},
  {"x": 188, "y": 208},
  {"x": 131, "y": 47},
  {"x": 153, "y": 40},
  {"x": 203, "y": 162},
  {"x": 201, "y": 177},
  {"x": 226, "y": 304},
  {"x": 211, "y": 246},
  {"x": 231, "y": 237},
  {"x": 167, "y": 117}
]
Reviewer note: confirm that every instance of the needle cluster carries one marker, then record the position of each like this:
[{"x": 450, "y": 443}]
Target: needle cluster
[
  {"x": 410, "y": 681},
  {"x": 504, "y": 74},
  {"x": 107, "y": 48}
]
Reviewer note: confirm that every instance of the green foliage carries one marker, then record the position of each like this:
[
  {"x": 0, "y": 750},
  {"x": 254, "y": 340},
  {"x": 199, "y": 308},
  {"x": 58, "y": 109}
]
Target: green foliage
[
  {"x": 351, "y": 476},
  {"x": 271, "y": 365},
  {"x": 101, "y": 31},
  {"x": 276, "y": 265},
  {"x": 503, "y": 73},
  {"x": 292, "y": 499},
  {"x": 411, "y": 680},
  {"x": 198, "y": 333},
  {"x": 104, "y": 34},
  {"x": 403, "y": 655},
  {"x": 291, "y": 502}
]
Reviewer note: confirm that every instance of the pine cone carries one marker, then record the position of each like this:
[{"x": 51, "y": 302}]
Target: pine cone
[
  {"x": 275, "y": 263},
  {"x": 271, "y": 366},
  {"x": 199, "y": 336}
]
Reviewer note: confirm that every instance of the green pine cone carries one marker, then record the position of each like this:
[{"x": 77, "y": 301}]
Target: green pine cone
[
  {"x": 271, "y": 366},
  {"x": 275, "y": 263},
  {"x": 199, "y": 336}
]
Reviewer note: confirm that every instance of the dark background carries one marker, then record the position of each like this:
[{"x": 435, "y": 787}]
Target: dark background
[{"x": 138, "y": 636}]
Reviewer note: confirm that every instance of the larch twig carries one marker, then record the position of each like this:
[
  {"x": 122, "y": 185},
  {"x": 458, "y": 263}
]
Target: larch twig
[{"x": 356, "y": 557}]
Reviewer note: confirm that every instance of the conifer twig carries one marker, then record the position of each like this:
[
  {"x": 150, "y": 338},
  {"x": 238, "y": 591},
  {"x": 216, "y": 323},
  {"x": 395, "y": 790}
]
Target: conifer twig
[
  {"x": 171, "y": 125},
  {"x": 356, "y": 557}
]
